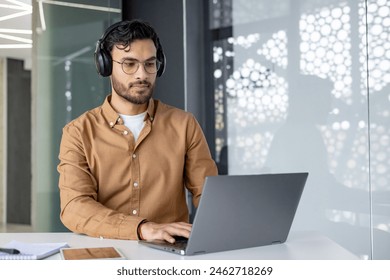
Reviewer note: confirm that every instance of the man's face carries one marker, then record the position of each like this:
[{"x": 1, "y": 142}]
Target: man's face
[{"x": 136, "y": 88}]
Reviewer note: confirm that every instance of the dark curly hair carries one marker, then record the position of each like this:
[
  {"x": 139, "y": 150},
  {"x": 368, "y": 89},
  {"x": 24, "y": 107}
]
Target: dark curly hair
[{"x": 128, "y": 31}]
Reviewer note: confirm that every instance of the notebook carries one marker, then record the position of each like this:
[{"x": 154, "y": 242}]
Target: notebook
[
  {"x": 31, "y": 251},
  {"x": 241, "y": 211}
]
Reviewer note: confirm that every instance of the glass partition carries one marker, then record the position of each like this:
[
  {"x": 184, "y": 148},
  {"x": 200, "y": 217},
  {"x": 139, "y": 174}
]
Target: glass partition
[
  {"x": 65, "y": 84},
  {"x": 376, "y": 78},
  {"x": 297, "y": 88}
]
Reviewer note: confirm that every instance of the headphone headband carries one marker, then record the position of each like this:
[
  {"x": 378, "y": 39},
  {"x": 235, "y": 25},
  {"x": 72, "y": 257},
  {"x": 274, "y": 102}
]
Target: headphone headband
[{"x": 103, "y": 59}]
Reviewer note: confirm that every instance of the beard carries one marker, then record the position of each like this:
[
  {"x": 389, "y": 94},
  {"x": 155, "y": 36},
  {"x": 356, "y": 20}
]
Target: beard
[{"x": 137, "y": 93}]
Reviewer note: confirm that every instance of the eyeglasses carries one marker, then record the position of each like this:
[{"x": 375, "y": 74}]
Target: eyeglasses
[{"x": 132, "y": 66}]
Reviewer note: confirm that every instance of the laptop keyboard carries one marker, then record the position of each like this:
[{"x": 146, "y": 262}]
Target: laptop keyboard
[{"x": 180, "y": 243}]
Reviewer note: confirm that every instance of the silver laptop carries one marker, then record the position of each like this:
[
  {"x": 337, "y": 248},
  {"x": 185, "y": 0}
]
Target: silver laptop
[{"x": 241, "y": 211}]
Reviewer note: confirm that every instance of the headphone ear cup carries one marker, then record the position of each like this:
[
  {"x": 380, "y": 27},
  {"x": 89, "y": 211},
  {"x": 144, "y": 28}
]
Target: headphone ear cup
[
  {"x": 161, "y": 57},
  {"x": 103, "y": 60}
]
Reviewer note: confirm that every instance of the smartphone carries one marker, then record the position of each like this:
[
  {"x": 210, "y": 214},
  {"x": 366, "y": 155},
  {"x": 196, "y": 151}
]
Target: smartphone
[{"x": 99, "y": 253}]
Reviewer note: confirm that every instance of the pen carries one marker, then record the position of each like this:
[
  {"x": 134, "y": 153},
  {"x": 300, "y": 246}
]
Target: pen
[{"x": 10, "y": 251}]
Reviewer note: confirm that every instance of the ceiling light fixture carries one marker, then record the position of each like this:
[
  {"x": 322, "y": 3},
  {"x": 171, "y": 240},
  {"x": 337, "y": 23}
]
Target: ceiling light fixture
[
  {"x": 17, "y": 39},
  {"x": 42, "y": 16},
  {"x": 15, "y": 46},
  {"x": 19, "y": 3},
  {"x": 15, "y": 15},
  {"x": 81, "y": 6},
  {"x": 16, "y": 9},
  {"x": 15, "y": 31},
  {"x": 12, "y": 7}
]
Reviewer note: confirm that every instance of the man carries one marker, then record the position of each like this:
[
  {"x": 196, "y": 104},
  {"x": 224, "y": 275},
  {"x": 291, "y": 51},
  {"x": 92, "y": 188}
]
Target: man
[{"x": 124, "y": 166}]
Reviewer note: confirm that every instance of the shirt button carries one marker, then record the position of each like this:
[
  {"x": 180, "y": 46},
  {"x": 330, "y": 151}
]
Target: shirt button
[
  {"x": 134, "y": 156},
  {"x": 134, "y": 212},
  {"x": 111, "y": 124},
  {"x": 125, "y": 132},
  {"x": 135, "y": 184}
]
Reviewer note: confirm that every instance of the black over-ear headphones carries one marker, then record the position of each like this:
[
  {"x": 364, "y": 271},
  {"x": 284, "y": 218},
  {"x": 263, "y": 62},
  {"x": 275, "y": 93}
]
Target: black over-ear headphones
[{"x": 103, "y": 59}]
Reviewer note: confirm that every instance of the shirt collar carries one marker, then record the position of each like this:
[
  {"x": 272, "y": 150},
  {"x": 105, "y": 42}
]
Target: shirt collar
[
  {"x": 113, "y": 117},
  {"x": 151, "y": 110}
]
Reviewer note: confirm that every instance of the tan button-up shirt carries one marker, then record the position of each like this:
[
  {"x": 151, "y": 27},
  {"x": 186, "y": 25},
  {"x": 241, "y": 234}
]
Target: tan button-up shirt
[{"x": 109, "y": 184}]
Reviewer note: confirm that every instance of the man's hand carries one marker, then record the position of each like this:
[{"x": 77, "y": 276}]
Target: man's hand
[{"x": 150, "y": 230}]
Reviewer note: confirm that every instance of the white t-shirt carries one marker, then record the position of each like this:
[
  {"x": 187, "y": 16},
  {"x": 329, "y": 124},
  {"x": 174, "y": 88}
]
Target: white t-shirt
[{"x": 135, "y": 123}]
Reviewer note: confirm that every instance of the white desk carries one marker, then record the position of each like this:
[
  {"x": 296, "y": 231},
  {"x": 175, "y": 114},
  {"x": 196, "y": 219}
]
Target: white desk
[{"x": 299, "y": 246}]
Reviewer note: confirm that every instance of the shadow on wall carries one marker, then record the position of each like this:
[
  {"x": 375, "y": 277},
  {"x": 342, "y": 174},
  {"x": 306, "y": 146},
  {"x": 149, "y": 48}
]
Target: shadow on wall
[{"x": 298, "y": 146}]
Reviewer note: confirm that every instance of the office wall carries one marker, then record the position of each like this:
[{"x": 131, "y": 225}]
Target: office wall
[
  {"x": 15, "y": 142},
  {"x": 18, "y": 148}
]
